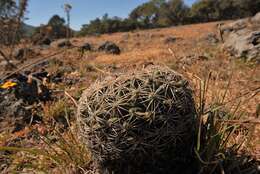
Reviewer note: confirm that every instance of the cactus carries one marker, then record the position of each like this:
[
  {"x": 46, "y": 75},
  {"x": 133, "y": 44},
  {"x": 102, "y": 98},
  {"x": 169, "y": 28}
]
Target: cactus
[{"x": 139, "y": 122}]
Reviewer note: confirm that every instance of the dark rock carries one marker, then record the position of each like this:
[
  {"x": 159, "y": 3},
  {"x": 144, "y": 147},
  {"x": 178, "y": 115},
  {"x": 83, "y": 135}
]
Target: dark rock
[
  {"x": 13, "y": 114},
  {"x": 40, "y": 74},
  {"x": 19, "y": 103},
  {"x": 27, "y": 91},
  {"x": 86, "y": 47},
  {"x": 110, "y": 47}
]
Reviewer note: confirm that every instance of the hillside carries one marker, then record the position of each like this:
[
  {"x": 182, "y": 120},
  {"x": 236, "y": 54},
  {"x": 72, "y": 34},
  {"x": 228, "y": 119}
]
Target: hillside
[
  {"x": 195, "y": 51},
  {"x": 29, "y": 29}
]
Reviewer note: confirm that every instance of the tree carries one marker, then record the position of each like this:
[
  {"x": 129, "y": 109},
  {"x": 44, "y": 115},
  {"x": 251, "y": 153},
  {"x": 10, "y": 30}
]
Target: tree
[
  {"x": 163, "y": 13},
  {"x": 178, "y": 11},
  {"x": 204, "y": 11},
  {"x": 147, "y": 12},
  {"x": 56, "y": 20},
  {"x": 247, "y": 7},
  {"x": 58, "y": 27}
]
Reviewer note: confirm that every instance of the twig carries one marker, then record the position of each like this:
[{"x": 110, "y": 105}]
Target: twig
[
  {"x": 72, "y": 99},
  {"x": 100, "y": 70},
  {"x": 171, "y": 51}
]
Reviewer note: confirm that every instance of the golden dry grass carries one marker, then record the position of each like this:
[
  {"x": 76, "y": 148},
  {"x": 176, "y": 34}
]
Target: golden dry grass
[{"x": 141, "y": 48}]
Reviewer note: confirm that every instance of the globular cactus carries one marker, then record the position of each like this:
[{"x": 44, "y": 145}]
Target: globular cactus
[{"x": 139, "y": 122}]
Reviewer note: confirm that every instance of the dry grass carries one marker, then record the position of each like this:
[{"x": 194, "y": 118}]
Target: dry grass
[{"x": 233, "y": 90}]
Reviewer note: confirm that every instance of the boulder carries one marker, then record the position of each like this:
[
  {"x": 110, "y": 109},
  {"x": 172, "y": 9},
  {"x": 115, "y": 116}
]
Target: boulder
[
  {"x": 234, "y": 26},
  {"x": 256, "y": 18},
  {"x": 109, "y": 47},
  {"x": 244, "y": 44},
  {"x": 242, "y": 38}
]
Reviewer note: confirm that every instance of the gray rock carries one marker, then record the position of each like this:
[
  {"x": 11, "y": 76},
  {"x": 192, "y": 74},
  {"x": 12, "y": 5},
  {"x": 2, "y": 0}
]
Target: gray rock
[
  {"x": 242, "y": 38},
  {"x": 256, "y": 18},
  {"x": 235, "y": 26},
  {"x": 244, "y": 44}
]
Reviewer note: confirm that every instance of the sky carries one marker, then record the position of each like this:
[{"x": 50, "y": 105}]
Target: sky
[{"x": 40, "y": 11}]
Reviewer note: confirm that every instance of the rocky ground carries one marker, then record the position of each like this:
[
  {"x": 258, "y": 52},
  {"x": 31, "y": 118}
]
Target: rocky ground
[{"x": 40, "y": 93}]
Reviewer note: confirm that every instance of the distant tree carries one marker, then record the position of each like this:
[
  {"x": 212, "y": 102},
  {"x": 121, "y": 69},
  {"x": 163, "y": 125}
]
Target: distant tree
[
  {"x": 247, "y": 7},
  {"x": 178, "y": 11},
  {"x": 56, "y": 20},
  {"x": 163, "y": 13},
  {"x": 204, "y": 11},
  {"x": 58, "y": 27},
  {"x": 147, "y": 13}
]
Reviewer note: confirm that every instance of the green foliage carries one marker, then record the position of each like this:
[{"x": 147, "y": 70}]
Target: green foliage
[
  {"x": 162, "y": 13},
  {"x": 212, "y": 10},
  {"x": 109, "y": 25}
]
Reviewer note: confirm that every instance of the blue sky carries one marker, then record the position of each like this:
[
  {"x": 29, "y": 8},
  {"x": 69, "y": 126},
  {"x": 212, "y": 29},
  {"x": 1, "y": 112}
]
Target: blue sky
[{"x": 40, "y": 11}]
